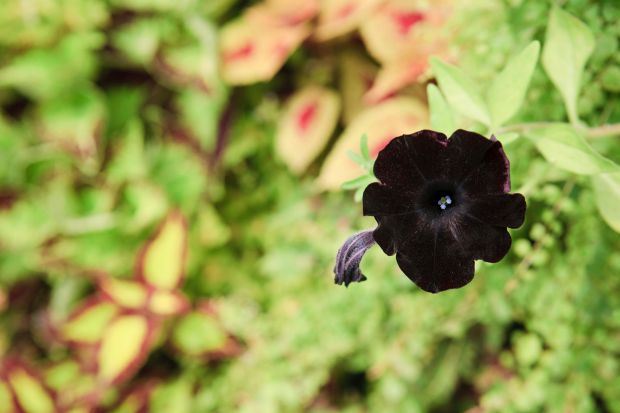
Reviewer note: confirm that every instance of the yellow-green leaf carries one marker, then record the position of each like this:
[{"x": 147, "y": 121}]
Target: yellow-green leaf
[
  {"x": 123, "y": 347},
  {"x": 6, "y": 400},
  {"x": 88, "y": 323},
  {"x": 607, "y": 193},
  {"x": 166, "y": 303},
  {"x": 31, "y": 395},
  {"x": 163, "y": 258},
  {"x": 307, "y": 123},
  {"x": 126, "y": 293}
]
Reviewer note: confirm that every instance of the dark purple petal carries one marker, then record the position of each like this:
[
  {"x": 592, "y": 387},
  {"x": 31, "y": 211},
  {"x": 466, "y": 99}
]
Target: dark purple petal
[
  {"x": 500, "y": 210},
  {"x": 349, "y": 257},
  {"x": 410, "y": 160},
  {"x": 481, "y": 240},
  {"x": 465, "y": 152},
  {"x": 435, "y": 262},
  {"x": 384, "y": 237},
  {"x": 381, "y": 200}
]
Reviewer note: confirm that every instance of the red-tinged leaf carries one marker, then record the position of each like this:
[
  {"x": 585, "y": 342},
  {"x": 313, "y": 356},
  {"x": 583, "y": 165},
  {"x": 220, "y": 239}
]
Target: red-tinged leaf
[
  {"x": 283, "y": 12},
  {"x": 357, "y": 75},
  {"x": 307, "y": 123},
  {"x": 124, "y": 293},
  {"x": 161, "y": 263},
  {"x": 400, "y": 27},
  {"x": 28, "y": 390},
  {"x": 339, "y": 17},
  {"x": 74, "y": 123},
  {"x": 124, "y": 347},
  {"x": 87, "y": 324},
  {"x": 136, "y": 398},
  {"x": 395, "y": 76},
  {"x": 167, "y": 303},
  {"x": 193, "y": 65},
  {"x": 381, "y": 123},
  {"x": 252, "y": 51}
]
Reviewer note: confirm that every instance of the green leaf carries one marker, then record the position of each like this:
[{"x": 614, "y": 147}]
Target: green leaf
[
  {"x": 569, "y": 43},
  {"x": 361, "y": 181},
  {"x": 507, "y": 92},
  {"x": 364, "y": 147},
  {"x": 198, "y": 333},
  {"x": 460, "y": 91},
  {"x": 607, "y": 196},
  {"x": 440, "y": 112},
  {"x": 562, "y": 146}
]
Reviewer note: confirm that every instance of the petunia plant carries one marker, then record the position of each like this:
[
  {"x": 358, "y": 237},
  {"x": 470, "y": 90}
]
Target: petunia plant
[{"x": 442, "y": 203}]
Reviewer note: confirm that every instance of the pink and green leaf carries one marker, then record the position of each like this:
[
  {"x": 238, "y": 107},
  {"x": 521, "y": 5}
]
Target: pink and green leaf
[
  {"x": 357, "y": 74},
  {"x": 399, "y": 28},
  {"x": 306, "y": 125},
  {"x": 340, "y": 17},
  {"x": 161, "y": 263},
  {"x": 283, "y": 12},
  {"x": 381, "y": 123},
  {"x": 252, "y": 51}
]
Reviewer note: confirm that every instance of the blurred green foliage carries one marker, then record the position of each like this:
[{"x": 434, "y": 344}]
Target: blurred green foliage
[{"x": 113, "y": 113}]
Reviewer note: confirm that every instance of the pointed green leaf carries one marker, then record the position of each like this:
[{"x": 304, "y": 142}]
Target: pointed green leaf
[
  {"x": 507, "y": 91},
  {"x": 442, "y": 119},
  {"x": 607, "y": 195},
  {"x": 460, "y": 91},
  {"x": 562, "y": 146},
  {"x": 568, "y": 45}
]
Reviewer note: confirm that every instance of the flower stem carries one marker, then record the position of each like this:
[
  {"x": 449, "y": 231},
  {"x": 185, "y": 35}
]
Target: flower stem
[{"x": 591, "y": 133}]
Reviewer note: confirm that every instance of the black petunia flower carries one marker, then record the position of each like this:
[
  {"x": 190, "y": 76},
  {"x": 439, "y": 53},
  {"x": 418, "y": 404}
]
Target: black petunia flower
[{"x": 442, "y": 203}]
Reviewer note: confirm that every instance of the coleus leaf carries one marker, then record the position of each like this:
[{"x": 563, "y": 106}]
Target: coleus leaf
[
  {"x": 161, "y": 263},
  {"x": 283, "y": 12},
  {"x": 394, "y": 76},
  {"x": 6, "y": 398},
  {"x": 381, "y": 123},
  {"x": 307, "y": 123},
  {"x": 30, "y": 395},
  {"x": 124, "y": 293},
  {"x": 357, "y": 74},
  {"x": 87, "y": 324},
  {"x": 251, "y": 51},
  {"x": 124, "y": 347},
  {"x": 74, "y": 385},
  {"x": 198, "y": 333},
  {"x": 167, "y": 303},
  {"x": 339, "y": 17},
  {"x": 74, "y": 122},
  {"x": 399, "y": 27}
]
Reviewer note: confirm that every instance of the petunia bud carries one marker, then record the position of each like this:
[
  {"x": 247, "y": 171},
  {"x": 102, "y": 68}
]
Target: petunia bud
[{"x": 347, "y": 268}]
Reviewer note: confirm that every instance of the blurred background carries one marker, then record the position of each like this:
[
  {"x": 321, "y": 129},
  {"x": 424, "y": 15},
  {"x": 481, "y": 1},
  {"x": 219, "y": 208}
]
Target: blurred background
[{"x": 171, "y": 204}]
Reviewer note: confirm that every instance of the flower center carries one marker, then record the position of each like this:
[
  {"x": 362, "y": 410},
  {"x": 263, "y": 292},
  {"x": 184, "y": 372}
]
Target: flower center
[{"x": 444, "y": 201}]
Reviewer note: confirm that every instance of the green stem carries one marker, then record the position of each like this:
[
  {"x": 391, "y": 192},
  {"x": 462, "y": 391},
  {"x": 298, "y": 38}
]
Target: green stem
[{"x": 591, "y": 133}]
